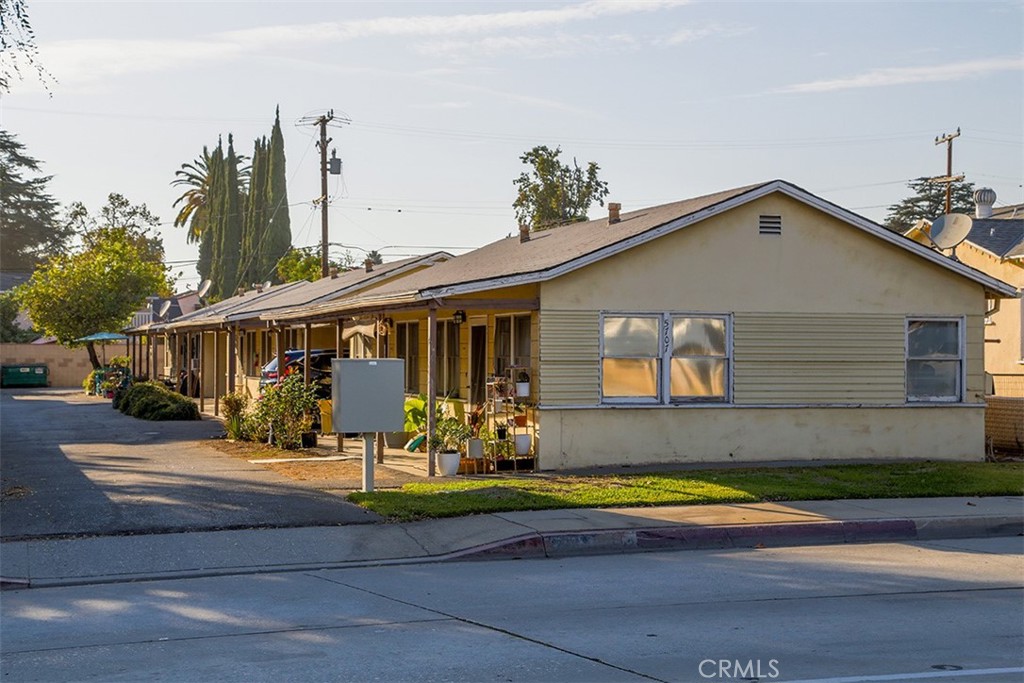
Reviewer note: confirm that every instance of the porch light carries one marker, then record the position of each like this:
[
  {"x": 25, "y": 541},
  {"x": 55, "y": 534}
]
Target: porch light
[{"x": 459, "y": 317}]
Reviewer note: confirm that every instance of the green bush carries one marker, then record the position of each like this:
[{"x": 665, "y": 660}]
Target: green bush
[
  {"x": 154, "y": 401},
  {"x": 89, "y": 383},
  {"x": 283, "y": 412},
  {"x": 234, "y": 412}
]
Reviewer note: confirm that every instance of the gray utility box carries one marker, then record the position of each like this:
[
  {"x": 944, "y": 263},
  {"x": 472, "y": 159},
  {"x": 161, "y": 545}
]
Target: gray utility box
[{"x": 368, "y": 395}]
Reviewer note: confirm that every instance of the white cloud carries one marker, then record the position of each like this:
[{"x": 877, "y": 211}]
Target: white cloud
[
  {"x": 689, "y": 35},
  {"x": 85, "y": 62},
  {"x": 913, "y": 74}
]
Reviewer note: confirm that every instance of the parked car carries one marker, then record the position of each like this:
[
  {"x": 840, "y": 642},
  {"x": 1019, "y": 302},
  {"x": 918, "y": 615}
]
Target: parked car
[{"x": 319, "y": 369}]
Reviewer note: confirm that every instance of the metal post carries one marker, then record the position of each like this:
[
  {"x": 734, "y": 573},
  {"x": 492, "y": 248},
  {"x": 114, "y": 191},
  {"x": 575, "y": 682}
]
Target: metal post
[{"x": 368, "y": 462}]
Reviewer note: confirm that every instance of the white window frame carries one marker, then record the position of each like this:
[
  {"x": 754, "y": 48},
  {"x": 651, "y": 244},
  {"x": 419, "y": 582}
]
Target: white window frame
[
  {"x": 664, "y": 360},
  {"x": 961, "y": 376}
]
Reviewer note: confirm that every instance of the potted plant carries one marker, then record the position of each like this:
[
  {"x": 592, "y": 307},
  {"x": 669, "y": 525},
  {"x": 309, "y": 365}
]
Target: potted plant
[
  {"x": 477, "y": 428},
  {"x": 519, "y": 416},
  {"x": 450, "y": 434},
  {"x": 523, "y": 384}
]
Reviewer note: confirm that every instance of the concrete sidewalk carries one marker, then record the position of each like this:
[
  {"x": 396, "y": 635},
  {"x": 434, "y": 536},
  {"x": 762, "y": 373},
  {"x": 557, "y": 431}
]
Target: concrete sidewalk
[{"x": 549, "y": 533}]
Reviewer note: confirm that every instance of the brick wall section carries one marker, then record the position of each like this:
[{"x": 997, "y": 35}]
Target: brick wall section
[
  {"x": 68, "y": 367},
  {"x": 1004, "y": 422}
]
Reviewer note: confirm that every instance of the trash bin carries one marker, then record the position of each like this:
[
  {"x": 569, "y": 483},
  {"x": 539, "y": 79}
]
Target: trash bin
[{"x": 25, "y": 375}]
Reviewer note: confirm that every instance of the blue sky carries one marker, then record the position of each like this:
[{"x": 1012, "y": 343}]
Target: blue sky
[{"x": 672, "y": 99}]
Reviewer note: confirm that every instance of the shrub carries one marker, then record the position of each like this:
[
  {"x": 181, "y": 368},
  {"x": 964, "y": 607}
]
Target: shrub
[
  {"x": 89, "y": 383},
  {"x": 234, "y": 411},
  {"x": 153, "y": 401},
  {"x": 283, "y": 412}
]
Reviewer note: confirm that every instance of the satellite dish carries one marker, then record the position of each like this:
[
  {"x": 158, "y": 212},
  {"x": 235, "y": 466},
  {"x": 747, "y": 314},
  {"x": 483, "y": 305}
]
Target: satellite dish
[
  {"x": 204, "y": 288},
  {"x": 267, "y": 284},
  {"x": 950, "y": 230},
  {"x": 164, "y": 307}
]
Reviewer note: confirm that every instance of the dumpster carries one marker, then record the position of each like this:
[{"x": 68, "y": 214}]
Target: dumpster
[{"x": 25, "y": 375}]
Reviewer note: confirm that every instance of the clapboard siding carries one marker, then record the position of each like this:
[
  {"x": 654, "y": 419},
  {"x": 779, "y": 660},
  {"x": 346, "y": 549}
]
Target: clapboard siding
[
  {"x": 570, "y": 350},
  {"x": 821, "y": 358}
]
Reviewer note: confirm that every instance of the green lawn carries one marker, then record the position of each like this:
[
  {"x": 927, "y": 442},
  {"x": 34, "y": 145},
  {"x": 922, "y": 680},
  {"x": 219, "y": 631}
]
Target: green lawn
[{"x": 695, "y": 487}]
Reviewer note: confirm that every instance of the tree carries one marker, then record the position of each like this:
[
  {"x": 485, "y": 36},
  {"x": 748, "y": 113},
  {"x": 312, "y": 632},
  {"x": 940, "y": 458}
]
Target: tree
[
  {"x": 252, "y": 259},
  {"x": 279, "y": 231},
  {"x": 303, "y": 263},
  {"x": 29, "y": 229},
  {"x": 554, "y": 193},
  {"x": 194, "y": 212},
  {"x": 18, "y": 41},
  {"x": 10, "y": 331},
  {"x": 929, "y": 202},
  {"x": 374, "y": 257},
  {"x": 227, "y": 224},
  {"x": 98, "y": 287}
]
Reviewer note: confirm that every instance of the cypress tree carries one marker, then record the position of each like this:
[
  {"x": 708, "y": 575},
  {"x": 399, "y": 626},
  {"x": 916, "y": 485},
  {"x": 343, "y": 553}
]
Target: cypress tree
[
  {"x": 279, "y": 231},
  {"x": 254, "y": 227},
  {"x": 226, "y": 260}
]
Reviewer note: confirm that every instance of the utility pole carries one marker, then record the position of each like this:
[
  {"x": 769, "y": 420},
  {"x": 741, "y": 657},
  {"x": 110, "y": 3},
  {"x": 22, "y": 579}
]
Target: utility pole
[
  {"x": 322, "y": 121},
  {"x": 949, "y": 178}
]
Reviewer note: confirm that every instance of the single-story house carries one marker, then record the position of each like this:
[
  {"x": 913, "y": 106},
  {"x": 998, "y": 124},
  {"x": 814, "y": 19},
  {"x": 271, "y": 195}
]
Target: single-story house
[{"x": 758, "y": 323}]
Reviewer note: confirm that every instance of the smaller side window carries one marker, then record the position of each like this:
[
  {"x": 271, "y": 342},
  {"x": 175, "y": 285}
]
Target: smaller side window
[{"x": 934, "y": 360}]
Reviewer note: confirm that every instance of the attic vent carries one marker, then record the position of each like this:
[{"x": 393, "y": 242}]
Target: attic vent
[{"x": 770, "y": 225}]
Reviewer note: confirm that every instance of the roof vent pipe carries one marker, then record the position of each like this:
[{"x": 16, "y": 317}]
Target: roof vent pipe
[
  {"x": 524, "y": 232},
  {"x": 368, "y": 264},
  {"x": 613, "y": 212},
  {"x": 984, "y": 198},
  {"x": 334, "y": 272}
]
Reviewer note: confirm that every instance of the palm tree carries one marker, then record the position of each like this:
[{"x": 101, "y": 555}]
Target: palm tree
[
  {"x": 196, "y": 176},
  {"x": 375, "y": 257}
]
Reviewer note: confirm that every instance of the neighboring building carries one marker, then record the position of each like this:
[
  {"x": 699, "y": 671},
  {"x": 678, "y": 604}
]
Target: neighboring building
[
  {"x": 759, "y": 323},
  {"x": 995, "y": 245}
]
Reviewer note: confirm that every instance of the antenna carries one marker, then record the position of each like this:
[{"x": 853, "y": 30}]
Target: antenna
[
  {"x": 204, "y": 288},
  {"x": 164, "y": 307},
  {"x": 950, "y": 230}
]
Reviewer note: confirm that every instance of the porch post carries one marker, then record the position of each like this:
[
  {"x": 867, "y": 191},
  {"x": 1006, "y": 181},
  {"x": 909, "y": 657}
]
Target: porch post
[
  {"x": 188, "y": 364},
  {"x": 305, "y": 354},
  {"x": 338, "y": 342},
  {"x": 232, "y": 357},
  {"x": 216, "y": 372},
  {"x": 280, "y": 353},
  {"x": 202, "y": 371},
  {"x": 131, "y": 354},
  {"x": 431, "y": 385},
  {"x": 153, "y": 346}
]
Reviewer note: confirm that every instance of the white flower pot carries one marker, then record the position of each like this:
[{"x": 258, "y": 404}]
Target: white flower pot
[
  {"x": 523, "y": 442},
  {"x": 448, "y": 463},
  {"x": 475, "y": 449},
  {"x": 522, "y": 389}
]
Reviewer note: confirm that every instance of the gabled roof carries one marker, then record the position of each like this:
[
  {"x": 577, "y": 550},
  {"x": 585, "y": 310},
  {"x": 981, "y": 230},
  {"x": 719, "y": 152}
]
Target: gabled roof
[
  {"x": 551, "y": 253},
  {"x": 1000, "y": 236}
]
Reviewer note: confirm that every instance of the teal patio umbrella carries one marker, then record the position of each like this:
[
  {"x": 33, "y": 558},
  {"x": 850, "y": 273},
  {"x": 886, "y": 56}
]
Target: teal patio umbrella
[{"x": 104, "y": 337}]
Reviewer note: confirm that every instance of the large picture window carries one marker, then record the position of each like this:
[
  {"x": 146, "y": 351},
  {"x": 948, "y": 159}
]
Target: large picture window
[
  {"x": 665, "y": 358},
  {"x": 407, "y": 347},
  {"x": 934, "y": 360}
]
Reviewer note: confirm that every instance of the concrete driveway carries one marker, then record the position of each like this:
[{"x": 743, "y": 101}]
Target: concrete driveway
[{"x": 71, "y": 465}]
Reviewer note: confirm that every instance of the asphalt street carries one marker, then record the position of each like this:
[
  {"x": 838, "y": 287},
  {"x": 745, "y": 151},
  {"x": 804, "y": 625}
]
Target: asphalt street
[
  {"x": 78, "y": 467},
  {"x": 940, "y": 610}
]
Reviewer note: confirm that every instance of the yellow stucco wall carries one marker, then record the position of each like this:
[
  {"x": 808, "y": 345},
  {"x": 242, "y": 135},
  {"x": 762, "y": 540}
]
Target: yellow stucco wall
[
  {"x": 1004, "y": 350},
  {"x": 583, "y": 438},
  {"x": 820, "y": 274}
]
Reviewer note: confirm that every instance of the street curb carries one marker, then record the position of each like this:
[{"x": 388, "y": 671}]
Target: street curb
[
  {"x": 612, "y": 541},
  {"x": 562, "y": 544}
]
